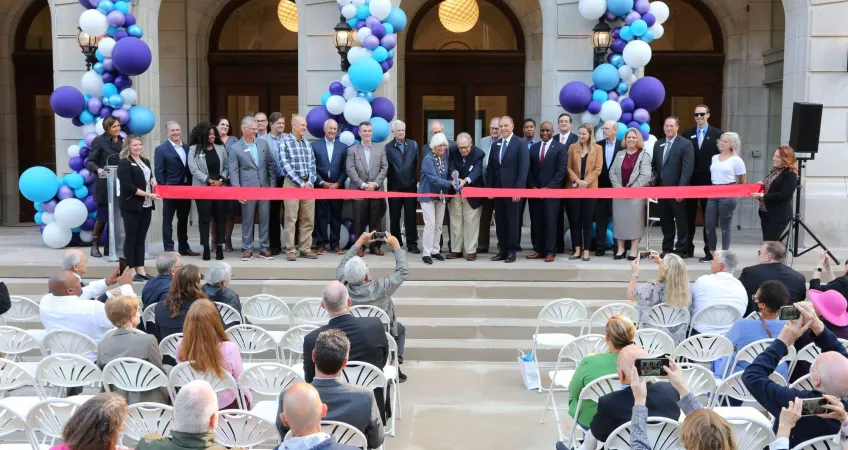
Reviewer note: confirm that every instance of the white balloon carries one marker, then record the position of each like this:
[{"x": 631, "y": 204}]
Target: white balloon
[
  {"x": 47, "y": 218},
  {"x": 347, "y": 138},
  {"x": 344, "y": 2},
  {"x": 349, "y": 93},
  {"x": 357, "y": 110},
  {"x": 591, "y": 119},
  {"x": 105, "y": 46},
  {"x": 70, "y": 213},
  {"x": 92, "y": 83},
  {"x": 98, "y": 128},
  {"x": 85, "y": 236},
  {"x": 625, "y": 72},
  {"x": 380, "y": 8},
  {"x": 660, "y": 11},
  {"x": 130, "y": 97},
  {"x": 335, "y": 104},
  {"x": 345, "y": 81},
  {"x": 610, "y": 110},
  {"x": 363, "y": 33},
  {"x": 592, "y": 9},
  {"x": 55, "y": 235},
  {"x": 93, "y": 22},
  {"x": 73, "y": 150},
  {"x": 348, "y": 11},
  {"x": 88, "y": 128},
  {"x": 386, "y": 77},
  {"x": 358, "y": 3},
  {"x": 658, "y": 30},
  {"x": 354, "y": 54},
  {"x": 649, "y": 147},
  {"x": 637, "y": 54}
]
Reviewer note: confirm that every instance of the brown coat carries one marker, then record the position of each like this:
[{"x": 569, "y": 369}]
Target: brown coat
[{"x": 595, "y": 163}]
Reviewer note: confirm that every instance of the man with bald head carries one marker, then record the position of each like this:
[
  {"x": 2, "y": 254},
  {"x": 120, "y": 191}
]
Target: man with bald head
[
  {"x": 330, "y": 173},
  {"x": 436, "y": 127},
  {"x": 298, "y": 162},
  {"x": 548, "y": 159},
  {"x": 302, "y": 413},
  {"x": 828, "y": 376},
  {"x": 603, "y": 206}
]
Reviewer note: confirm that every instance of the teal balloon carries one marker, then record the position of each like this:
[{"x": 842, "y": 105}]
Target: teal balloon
[
  {"x": 645, "y": 127},
  {"x": 620, "y": 7},
  {"x": 397, "y": 19},
  {"x": 81, "y": 143},
  {"x": 363, "y": 12},
  {"x": 380, "y": 54},
  {"x": 366, "y": 74},
  {"x": 380, "y": 128},
  {"x": 617, "y": 60},
  {"x": 105, "y": 6},
  {"x": 86, "y": 118},
  {"x": 38, "y": 206},
  {"x": 639, "y": 27},
  {"x": 74, "y": 180},
  {"x": 389, "y": 28},
  {"x": 324, "y": 98},
  {"x": 622, "y": 130},
  {"x": 606, "y": 77},
  {"x": 135, "y": 31},
  {"x": 391, "y": 54},
  {"x": 369, "y": 96},
  {"x": 76, "y": 229},
  {"x": 648, "y": 36},
  {"x": 81, "y": 192},
  {"x": 99, "y": 55},
  {"x": 626, "y": 33},
  {"x": 622, "y": 88},
  {"x": 600, "y": 96},
  {"x": 353, "y": 21},
  {"x": 112, "y": 30},
  {"x": 109, "y": 89},
  {"x": 39, "y": 184},
  {"x": 93, "y": 214},
  {"x": 141, "y": 120},
  {"x": 116, "y": 101},
  {"x": 122, "y": 6},
  {"x": 38, "y": 218}
]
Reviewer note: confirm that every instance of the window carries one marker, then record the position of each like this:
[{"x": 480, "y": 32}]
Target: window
[
  {"x": 493, "y": 31},
  {"x": 254, "y": 26}
]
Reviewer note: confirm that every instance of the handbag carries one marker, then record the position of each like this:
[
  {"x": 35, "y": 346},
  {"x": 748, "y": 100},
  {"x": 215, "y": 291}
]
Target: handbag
[{"x": 529, "y": 372}]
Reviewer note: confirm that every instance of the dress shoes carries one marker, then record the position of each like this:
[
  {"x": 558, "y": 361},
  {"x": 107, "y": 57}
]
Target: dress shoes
[
  {"x": 139, "y": 278},
  {"x": 338, "y": 250},
  {"x": 265, "y": 254},
  {"x": 471, "y": 257},
  {"x": 574, "y": 257},
  {"x": 401, "y": 376},
  {"x": 482, "y": 249},
  {"x": 206, "y": 254},
  {"x": 320, "y": 251},
  {"x": 499, "y": 257},
  {"x": 617, "y": 256},
  {"x": 377, "y": 251},
  {"x": 705, "y": 259},
  {"x": 413, "y": 249},
  {"x": 550, "y": 258},
  {"x": 684, "y": 254},
  {"x": 247, "y": 256},
  {"x": 291, "y": 256},
  {"x": 309, "y": 255},
  {"x": 510, "y": 258},
  {"x": 188, "y": 253},
  {"x": 534, "y": 255},
  {"x": 438, "y": 256},
  {"x": 219, "y": 253},
  {"x": 600, "y": 252},
  {"x": 276, "y": 251},
  {"x": 453, "y": 255},
  {"x": 427, "y": 260}
]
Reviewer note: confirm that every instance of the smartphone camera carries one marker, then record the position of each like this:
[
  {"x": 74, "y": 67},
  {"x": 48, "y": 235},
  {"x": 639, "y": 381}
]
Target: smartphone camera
[
  {"x": 645, "y": 255},
  {"x": 651, "y": 367},
  {"x": 788, "y": 313},
  {"x": 814, "y": 406},
  {"x": 379, "y": 236}
]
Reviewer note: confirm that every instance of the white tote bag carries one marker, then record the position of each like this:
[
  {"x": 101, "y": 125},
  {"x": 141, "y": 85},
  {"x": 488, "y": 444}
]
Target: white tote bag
[{"x": 529, "y": 372}]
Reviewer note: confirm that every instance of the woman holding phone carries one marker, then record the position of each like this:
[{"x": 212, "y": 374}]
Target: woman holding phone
[
  {"x": 136, "y": 202},
  {"x": 670, "y": 289}
]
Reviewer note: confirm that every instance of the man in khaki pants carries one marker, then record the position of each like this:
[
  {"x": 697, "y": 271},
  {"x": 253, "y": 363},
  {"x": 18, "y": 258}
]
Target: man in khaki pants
[
  {"x": 298, "y": 163},
  {"x": 465, "y": 163}
]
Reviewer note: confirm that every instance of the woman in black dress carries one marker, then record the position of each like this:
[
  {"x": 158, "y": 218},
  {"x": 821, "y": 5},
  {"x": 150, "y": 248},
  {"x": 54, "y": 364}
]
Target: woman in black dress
[
  {"x": 778, "y": 191},
  {"x": 104, "y": 151},
  {"x": 136, "y": 202}
]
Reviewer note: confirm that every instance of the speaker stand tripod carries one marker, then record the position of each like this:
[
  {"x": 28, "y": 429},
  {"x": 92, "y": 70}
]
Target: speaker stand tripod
[{"x": 793, "y": 233}]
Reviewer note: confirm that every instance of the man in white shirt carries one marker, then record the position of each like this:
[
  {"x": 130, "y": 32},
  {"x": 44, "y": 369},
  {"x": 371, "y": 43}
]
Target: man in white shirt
[
  {"x": 719, "y": 288},
  {"x": 75, "y": 261},
  {"x": 63, "y": 309}
]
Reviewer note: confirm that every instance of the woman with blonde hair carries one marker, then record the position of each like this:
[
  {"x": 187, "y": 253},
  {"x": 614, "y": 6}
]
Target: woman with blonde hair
[
  {"x": 135, "y": 177},
  {"x": 671, "y": 289},
  {"x": 170, "y": 314},
  {"x": 585, "y": 163},
  {"x": 206, "y": 345},
  {"x": 726, "y": 168},
  {"x": 95, "y": 425},
  {"x": 631, "y": 168}
]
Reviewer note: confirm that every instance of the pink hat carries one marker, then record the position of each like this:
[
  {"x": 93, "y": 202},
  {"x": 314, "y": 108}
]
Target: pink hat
[{"x": 831, "y": 305}]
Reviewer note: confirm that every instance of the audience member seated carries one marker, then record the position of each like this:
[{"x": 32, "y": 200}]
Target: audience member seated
[
  {"x": 348, "y": 403},
  {"x": 671, "y": 289},
  {"x": 63, "y": 309},
  {"x": 206, "y": 345},
  {"x": 367, "y": 337},
  {"x": 831, "y": 307},
  {"x": 127, "y": 342},
  {"x": 839, "y": 284},
  {"x": 719, "y": 288},
  {"x": 156, "y": 289},
  {"x": 790, "y": 415},
  {"x": 303, "y": 414},
  {"x": 218, "y": 277},
  {"x": 828, "y": 375},
  {"x": 194, "y": 423},
  {"x": 76, "y": 262},
  {"x": 619, "y": 332},
  {"x": 769, "y": 298},
  {"x": 5, "y": 299},
  {"x": 364, "y": 290},
  {"x": 771, "y": 259},
  {"x": 171, "y": 313},
  {"x": 95, "y": 425}
]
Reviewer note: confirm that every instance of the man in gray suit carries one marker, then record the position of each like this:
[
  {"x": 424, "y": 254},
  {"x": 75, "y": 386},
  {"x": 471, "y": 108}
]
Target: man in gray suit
[
  {"x": 348, "y": 403},
  {"x": 366, "y": 167},
  {"x": 252, "y": 165}
]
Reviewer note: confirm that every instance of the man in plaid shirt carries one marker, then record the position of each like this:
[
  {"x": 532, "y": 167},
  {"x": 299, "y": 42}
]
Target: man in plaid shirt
[{"x": 298, "y": 163}]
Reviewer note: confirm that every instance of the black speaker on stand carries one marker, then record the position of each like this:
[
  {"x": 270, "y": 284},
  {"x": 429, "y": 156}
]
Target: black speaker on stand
[{"x": 804, "y": 139}]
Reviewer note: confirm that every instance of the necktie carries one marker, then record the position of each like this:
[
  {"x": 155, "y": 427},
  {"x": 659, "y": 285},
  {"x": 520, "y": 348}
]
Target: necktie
[
  {"x": 667, "y": 150},
  {"x": 503, "y": 150},
  {"x": 700, "y": 137},
  {"x": 542, "y": 154},
  {"x": 562, "y": 139}
]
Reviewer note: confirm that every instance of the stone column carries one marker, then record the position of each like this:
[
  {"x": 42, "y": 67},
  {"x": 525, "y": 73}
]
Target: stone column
[
  {"x": 9, "y": 197},
  {"x": 567, "y": 46}
]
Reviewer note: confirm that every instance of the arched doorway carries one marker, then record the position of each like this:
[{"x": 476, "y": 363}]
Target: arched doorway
[
  {"x": 689, "y": 60},
  {"x": 252, "y": 62},
  {"x": 463, "y": 79},
  {"x": 33, "y": 63}
]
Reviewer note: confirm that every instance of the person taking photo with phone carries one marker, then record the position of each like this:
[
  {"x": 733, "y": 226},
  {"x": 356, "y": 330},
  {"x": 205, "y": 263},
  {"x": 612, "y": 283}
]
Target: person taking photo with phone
[{"x": 671, "y": 289}]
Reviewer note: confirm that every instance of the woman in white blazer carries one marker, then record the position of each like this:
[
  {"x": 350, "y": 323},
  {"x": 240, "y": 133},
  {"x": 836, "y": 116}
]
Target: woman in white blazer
[
  {"x": 631, "y": 168},
  {"x": 208, "y": 165}
]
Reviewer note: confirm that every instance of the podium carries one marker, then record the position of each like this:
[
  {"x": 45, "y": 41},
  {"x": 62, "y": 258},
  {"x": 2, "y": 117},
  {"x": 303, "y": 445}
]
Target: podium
[{"x": 116, "y": 222}]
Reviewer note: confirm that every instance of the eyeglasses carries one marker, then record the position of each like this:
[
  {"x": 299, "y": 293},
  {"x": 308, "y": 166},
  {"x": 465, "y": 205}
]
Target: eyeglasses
[{"x": 700, "y": 114}]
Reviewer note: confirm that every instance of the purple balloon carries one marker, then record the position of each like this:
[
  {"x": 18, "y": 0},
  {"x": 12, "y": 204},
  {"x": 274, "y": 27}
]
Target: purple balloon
[
  {"x": 627, "y": 105},
  {"x": 89, "y": 138},
  {"x": 632, "y": 124},
  {"x": 108, "y": 77},
  {"x": 360, "y": 24},
  {"x": 108, "y": 65},
  {"x": 611, "y": 17},
  {"x": 90, "y": 204},
  {"x": 648, "y": 93},
  {"x": 94, "y": 105},
  {"x": 41, "y": 228},
  {"x": 94, "y": 3},
  {"x": 131, "y": 56},
  {"x": 65, "y": 191},
  {"x": 383, "y": 107},
  {"x": 88, "y": 225},
  {"x": 371, "y": 21},
  {"x": 76, "y": 163},
  {"x": 612, "y": 95},
  {"x": 123, "y": 134},
  {"x": 76, "y": 122},
  {"x": 371, "y": 42},
  {"x": 650, "y": 19},
  {"x": 123, "y": 82},
  {"x": 645, "y": 134},
  {"x": 49, "y": 206},
  {"x": 67, "y": 102},
  {"x": 618, "y": 45},
  {"x": 336, "y": 88},
  {"x": 86, "y": 4},
  {"x": 575, "y": 96},
  {"x": 120, "y": 34},
  {"x": 642, "y": 6},
  {"x": 84, "y": 173},
  {"x": 105, "y": 112},
  {"x": 631, "y": 17},
  {"x": 626, "y": 117},
  {"x": 385, "y": 65},
  {"x": 389, "y": 41},
  {"x": 641, "y": 115},
  {"x": 115, "y": 18},
  {"x": 616, "y": 32},
  {"x": 84, "y": 153},
  {"x": 122, "y": 115},
  {"x": 315, "y": 121},
  {"x": 129, "y": 20},
  {"x": 594, "y": 107},
  {"x": 378, "y": 30}
]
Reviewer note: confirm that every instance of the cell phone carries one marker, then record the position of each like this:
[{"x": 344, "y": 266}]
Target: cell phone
[
  {"x": 651, "y": 367},
  {"x": 645, "y": 255},
  {"x": 814, "y": 406},
  {"x": 122, "y": 265},
  {"x": 379, "y": 236},
  {"x": 788, "y": 313}
]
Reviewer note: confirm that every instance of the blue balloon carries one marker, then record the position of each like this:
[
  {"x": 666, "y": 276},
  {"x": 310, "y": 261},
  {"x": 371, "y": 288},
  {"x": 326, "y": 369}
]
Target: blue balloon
[
  {"x": 622, "y": 88},
  {"x": 116, "y": 101},
  {"x": 353, "y": 21},
  {"x": 86, "y": 118},
  {"x": 81, "y": 143},
  {"x": 600, "y": 96},
  {"x": 391, "y": 54},
  {"x": 135, "y": 31},
  {"x": 389, "y": 28},
  {"x": 74, "y": 180},
  {"x": 366, "y": 74},
  {"x": 38, "y": 218},
  {"x": 648, "y": 36},
  {"x": 99, "y": 55},
  {"x": 617, "y": 60},
  {"x": 324, "y": 98},
  {"x": 639, "y": 27},
  {"x": 81, "y": 192},
  {"x": 620, "y": 7},
  {"x": 38, "y": 206},
  {"x": 626, "y": 33},
  {"x": 606, "y": 77},
  {"x": 39, "y": 184},
  {"x": 122, "y": 6},
  {"x": 367, "y": 96},
  {"x": 380, "y": 54},
  {"x": 622, "y": 130},
  {"x": 93, "y": 214},
  {"x": 141, "y": 120},
  {"x": 112, "y": 30},
  {"x": 109, "y": 89},
  {"x": 397, "y": 19},
  {"x": 645, "y": 127},
  {"x": 76, "y": 229},
  {"x": 98, "y": 68},
  {"x": 105, "y": 6},
  {"x": 380, "y": 128},
  {"x": 363, "y": 12}
]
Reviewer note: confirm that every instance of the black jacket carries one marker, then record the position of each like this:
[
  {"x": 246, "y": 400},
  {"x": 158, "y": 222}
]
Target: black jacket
[
  {"x": 778, "y": 198},
  {"x": 615, "y": 409},
  {"x": 839, "y": 284},
  {"x": 603, "y": 179},
  {"x": 704, "y": 154},
  {"x": 223, "y": 295},
  {"x": 403, "y": 168},
  {"x": 167, "y": 325},
  {"x": 472, "y": 168},
  {"x": 104, "y": 152},
  {"x": 753, "y": 277},
  {"x": 5, "y": 300},
  {"x": 132, "y": 179},
  {"x": 512, "y": 171},
  {"x": 679, "y": 165},
  {"x": 550, "y": 173}
]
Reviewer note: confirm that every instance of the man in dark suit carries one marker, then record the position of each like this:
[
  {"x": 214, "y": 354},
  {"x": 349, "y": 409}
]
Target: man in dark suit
[
  {"x": 603, "y": 206},
  {"x": 330, "y": 164},
  {"x": 674, "y": 161},
  {"x": 704, "y": 140},
  {"x": 566, "y": 138},
  {"x": 529, "y": 131},
  {"x": 509, "y": 163},
  {"x": 275, "y": 142},
  {"x": 367, "y": 336},
  {"x": 465, "y": 163},
  {"x": 771, "y": 265},
  {"x": 170, "y": 161},
  {"x": 402, "y": 155},
  {"x": 547, "y": 170},
  {"x": 487, "y": 209}
]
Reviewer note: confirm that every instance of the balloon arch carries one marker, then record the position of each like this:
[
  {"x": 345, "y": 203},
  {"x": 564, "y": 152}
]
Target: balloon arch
[{"x": 65, "y": 205}]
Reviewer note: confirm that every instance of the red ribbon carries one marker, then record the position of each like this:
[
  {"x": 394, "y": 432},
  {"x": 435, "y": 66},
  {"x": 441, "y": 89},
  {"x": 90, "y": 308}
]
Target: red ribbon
[{"x": 257, "y": 193}]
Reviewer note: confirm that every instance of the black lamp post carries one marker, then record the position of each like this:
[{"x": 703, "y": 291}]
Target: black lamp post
[
  {"x": 601, "y": 40},
  {"x": 88, "y": 45},
  {"x": 343, "y": 38}
]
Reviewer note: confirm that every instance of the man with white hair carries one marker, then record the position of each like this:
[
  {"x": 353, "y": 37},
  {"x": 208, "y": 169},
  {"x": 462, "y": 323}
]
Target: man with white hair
[
  {"x": 465, "y": 164},
  {"x": 719, "y": 288},
  {"x": 195, "y": 419},
  {"x": 75, "y": 261},
  {"x": 828, "y": 376},
  {"x": 330, "y": 171},
  {"x": 217, "y": 279},
  {"x": 402, "y": 155},
  {"x": 303, "y": 412}
]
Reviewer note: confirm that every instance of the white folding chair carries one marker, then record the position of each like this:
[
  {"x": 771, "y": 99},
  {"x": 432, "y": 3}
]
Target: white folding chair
[
  {"x": 720, "y": 317},
  {"x": 146, "y": 418},
  {"x": 602, "y": 315},
  {"x": 820, "y": 443},
  {"x": 344, "y": 434},
  {"x": 292, "y": 341},
  {"x": 252, "y": 340},
  {"x": 561, "y": 312},
  {"x": 701, "y": 381},
  {"x": 663, "y": 434},
  {"x": 47, "y": 418},
  {"x": 591, "y": 393},
  {"x": 16, "y": 341},
  {"x": 12, "y": 422},
  {"x": 665, "y": 317},
  {"x": 372, "y": 311},
  {"x": 804, "y": 383},
  {"x": 755, "y": 315},
  {"x": 267, "y": 379},
  {"x": 807, "y": 354},
  {"x": 228, "y": 313},
  {"x": 168, "y": 346},
  {"x": 183, "y": 374},
  {"x": 13, "y": 376},
  {"x": 733, "y": 387},
  {"x": 133, "y": 375},
  {"x": 69, "y": 341},
  {"x": 61, "y": 371},
  {"x": 239, "y": 428},
  {"x": 750, "y": 433},
  {"x": 704, "y": 349},
  {"x": 22, "y": 310},
  {"x": 149, "y": 315},
  {"x": 309, "y": 311},
  {"x": 364, "y": 374},
  {"x": 654, "y": 341},
  {"x": 263, "y": 308},
  {"x": 392, "y": 373},
  {"x": 749, "y": 352}
]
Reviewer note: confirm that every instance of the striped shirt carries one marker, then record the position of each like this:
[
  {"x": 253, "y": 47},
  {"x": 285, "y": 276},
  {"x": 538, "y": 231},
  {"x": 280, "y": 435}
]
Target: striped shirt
[{"x": 297, "y": 160}]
